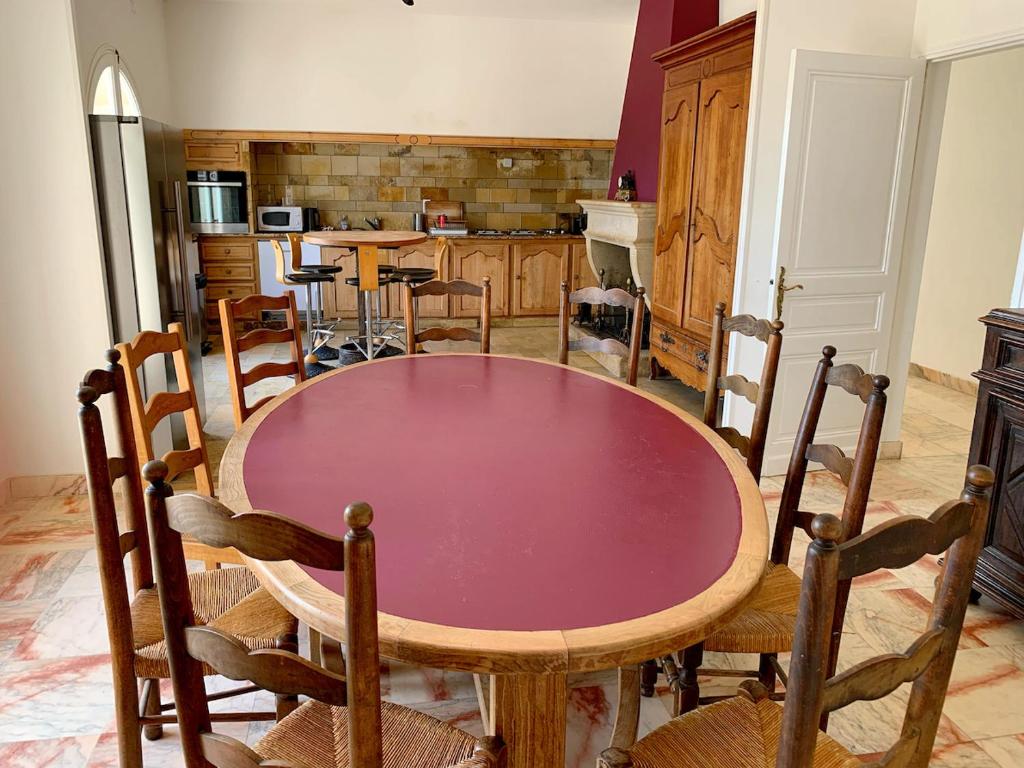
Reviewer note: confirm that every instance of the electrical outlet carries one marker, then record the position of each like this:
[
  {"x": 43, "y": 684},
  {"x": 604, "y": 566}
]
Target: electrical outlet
[{"x": 506, "y": 162}]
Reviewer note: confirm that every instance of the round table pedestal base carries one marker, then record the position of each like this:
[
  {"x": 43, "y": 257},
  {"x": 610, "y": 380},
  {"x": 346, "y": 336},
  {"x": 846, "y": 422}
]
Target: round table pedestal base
[{"x": 529, "y": 714}]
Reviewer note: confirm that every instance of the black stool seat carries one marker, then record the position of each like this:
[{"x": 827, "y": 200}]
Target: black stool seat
[
  {"x": 382, "y": 278},
  {"x": 416, "y": 275},
  {"x": 308, "y": 278},
  {"x": 320, "y": 269}
]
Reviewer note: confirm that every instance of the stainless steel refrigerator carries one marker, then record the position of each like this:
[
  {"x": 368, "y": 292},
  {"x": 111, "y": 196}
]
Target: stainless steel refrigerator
[{"x": 151, "y": 261}]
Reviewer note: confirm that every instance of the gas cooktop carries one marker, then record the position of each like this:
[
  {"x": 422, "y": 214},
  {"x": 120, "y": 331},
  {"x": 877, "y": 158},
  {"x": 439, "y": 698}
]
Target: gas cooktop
[{"x": 518, "y": 232}]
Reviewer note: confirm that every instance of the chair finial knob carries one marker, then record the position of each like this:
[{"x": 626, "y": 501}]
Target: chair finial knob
[{"x": 358, "y": 515}]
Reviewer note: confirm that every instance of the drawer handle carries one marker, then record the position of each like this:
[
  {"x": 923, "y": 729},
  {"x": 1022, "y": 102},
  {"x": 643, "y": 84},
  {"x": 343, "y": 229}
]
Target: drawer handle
[
  {"x": 666, "y": 338},
  {"x": 702, "y": 359}
]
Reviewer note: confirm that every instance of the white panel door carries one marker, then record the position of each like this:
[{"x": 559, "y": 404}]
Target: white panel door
[{"x": 849, "y": 149}]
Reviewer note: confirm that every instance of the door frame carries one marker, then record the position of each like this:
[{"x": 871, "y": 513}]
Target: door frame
[{"x": 758, "y": 298}]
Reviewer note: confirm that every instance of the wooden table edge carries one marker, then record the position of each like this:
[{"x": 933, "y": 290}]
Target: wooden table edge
[
  {"x": 351, "y": 239},
  {"x": 496, "y": 651}
]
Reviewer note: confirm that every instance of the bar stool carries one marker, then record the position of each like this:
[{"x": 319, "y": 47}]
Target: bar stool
[
  {"x": 324, "y": 330},
  {"x": 315, "y": 339}
]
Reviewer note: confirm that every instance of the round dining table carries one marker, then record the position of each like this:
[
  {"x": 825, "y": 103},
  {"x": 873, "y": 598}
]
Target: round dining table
[{"x": 531, "y": 520}]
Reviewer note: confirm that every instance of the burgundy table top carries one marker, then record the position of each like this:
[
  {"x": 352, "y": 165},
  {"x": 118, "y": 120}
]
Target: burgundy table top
[{"x": 508, "y": 494}]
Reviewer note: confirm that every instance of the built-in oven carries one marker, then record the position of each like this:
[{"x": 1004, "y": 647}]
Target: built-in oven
[{"x": 217, "y": 202}]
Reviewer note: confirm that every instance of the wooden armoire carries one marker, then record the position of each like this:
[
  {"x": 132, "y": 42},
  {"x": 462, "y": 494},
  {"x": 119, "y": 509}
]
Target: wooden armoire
[{"x": 703, "y": 135}]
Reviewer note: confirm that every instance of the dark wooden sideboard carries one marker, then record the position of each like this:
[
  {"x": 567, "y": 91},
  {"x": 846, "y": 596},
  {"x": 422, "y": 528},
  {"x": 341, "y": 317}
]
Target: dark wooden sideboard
[{"x": 998, "y": 441}]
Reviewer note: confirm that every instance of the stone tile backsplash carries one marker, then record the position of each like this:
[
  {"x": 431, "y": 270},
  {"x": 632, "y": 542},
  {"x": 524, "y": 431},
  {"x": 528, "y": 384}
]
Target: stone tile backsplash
[{"x": 389, "y": 181}]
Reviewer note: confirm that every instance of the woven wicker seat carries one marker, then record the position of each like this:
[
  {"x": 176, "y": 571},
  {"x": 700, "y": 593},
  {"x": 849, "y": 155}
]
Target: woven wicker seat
[
  {"x": 230, "y": 599},
  {"x": 736, "y": 733},
  {"x": 316, "y": 736},
  {"x": 767, "y": 624}
]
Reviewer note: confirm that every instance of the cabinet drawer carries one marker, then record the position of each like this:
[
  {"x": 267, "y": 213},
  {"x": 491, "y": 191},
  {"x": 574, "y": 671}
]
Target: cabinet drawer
[
  {"x": 230, "y": 272},
  {"x": 220, "y": 153},
  {"x": 235, "y": 291},
  {"x": 243, "y": 251},
  {"x": 669, "y": 340}
]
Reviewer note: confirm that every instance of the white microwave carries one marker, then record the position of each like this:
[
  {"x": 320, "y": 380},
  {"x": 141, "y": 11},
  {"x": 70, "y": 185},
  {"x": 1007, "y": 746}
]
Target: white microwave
[{"x": 279, "y": 218}]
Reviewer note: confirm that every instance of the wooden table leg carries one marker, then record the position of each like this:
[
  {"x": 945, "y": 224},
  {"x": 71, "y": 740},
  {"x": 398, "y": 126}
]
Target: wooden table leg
[{"x": 529, "y": 712}]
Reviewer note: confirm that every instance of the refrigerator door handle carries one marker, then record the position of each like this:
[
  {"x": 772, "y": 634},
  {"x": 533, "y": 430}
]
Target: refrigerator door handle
[{"x": 183, "y": 283}]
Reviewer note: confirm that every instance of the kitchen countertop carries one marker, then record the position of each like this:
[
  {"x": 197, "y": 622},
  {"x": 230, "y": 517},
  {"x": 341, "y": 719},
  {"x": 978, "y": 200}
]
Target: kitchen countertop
[{"x": 470, "y": 236}]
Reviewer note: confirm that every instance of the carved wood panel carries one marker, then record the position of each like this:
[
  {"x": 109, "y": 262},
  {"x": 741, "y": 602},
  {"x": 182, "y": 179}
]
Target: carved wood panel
[
  {"x": 678, "y": 136},
  {"x": 472, "y": 262},
  {"x": 717, "y": 184},
  {"x": 537, "y": 270},
  {"x": 422, "y": 255}
]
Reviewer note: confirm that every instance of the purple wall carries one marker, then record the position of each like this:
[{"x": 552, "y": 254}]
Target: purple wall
[{"x": 660, "y": 24}]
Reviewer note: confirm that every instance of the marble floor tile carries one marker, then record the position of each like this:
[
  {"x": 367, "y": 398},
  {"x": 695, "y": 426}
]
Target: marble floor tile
[
  {"x": 1006, "y": 751},
  {"x": 986, "y": 691},
  {"x": 68, "y": 752}
]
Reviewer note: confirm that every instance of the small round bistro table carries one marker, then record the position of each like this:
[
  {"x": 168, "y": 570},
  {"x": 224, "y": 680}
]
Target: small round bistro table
[
  {"x": 531, "y": 520},
  {"x": 367, "y": 245}
]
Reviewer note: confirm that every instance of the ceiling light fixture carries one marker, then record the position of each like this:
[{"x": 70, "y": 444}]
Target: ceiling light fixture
[{"x": 408, "y": 2}]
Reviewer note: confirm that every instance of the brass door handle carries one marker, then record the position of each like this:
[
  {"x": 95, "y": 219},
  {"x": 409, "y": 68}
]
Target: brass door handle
[{"x": 781, "y": 289}]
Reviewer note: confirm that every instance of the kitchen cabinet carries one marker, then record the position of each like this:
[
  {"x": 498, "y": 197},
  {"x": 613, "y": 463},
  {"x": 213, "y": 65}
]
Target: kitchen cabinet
[
  {"x": 580, "y": 273},
  {"x": 998, "y": 442},
  {"x": 422, "y": 255},
  {"x": 472, "y": 262},
  {"x": 232, "y": 271},
  {"x": 538, "y": 269},
  {"x": 217, "y": 155},
  {"x": 340, "y": 300},
  {"x": 704, "y": 124}
]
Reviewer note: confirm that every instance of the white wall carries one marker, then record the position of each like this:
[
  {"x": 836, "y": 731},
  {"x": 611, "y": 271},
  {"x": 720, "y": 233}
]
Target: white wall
[
  {"x": 51, "y": 295},
  {"x": 136, "y": 29},
  {"x": 946, "y": 27},
  {"x": 310, "y": 66},
  {"x": 977, "y": 213},
  {"x": 733, "y": 9}
]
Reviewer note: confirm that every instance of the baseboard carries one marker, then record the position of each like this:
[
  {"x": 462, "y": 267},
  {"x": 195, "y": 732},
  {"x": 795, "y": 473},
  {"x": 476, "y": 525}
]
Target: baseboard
[
  {"x": 38, "y": 486},
  {"x": 890, "y": 449},
  {"x": 948, "y": 380}
]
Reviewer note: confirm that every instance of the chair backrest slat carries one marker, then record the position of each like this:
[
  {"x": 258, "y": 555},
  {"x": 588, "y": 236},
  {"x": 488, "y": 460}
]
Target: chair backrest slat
[
  {"x": 441, "y": 288},
  {"x": 852, "y": 379},
  {"x": 735, "y": 439},
  {"x": 832, "y": 458},
  {"x": 235, "y": 345},
  {"x": 261, "y": 535},
  {"x": 760, "y": 393},
  {"x": 878, "y": 677},
  {"x": 266, "y": 536},
  {"x": 612, "y": 297},
  {"x": 811, "y": 692},
  {"x": 905, "y": 540},
  {"x": 148, "y": 413},
  {"x": 280, "y": 671}
]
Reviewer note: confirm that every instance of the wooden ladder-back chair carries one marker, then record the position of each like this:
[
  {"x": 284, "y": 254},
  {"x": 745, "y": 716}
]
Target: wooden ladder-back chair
[
  {"x": 613, "y": 297},
  {"x": 147, "y": 414},
  {"x": 234, "y": 345},
  {"x": 231, "y": 597},
  {"x": 345, "y": 723},
  {"x": 752, "y": 730},
  {"x": 454, "y": 288},
  {"x": 759, "y": 394},
  {"x": 766, "y": 627}
]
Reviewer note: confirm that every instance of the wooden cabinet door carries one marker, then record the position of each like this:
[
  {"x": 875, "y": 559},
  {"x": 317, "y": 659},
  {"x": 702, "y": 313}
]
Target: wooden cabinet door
[
  {"x": 422, "y": 255},
  {"x": 717, "y": 183},
  {"x": 678, "y": 136},
  {"x": 537, "y": 271},
  {"x": 340, "y": 299},
  {"x": 580, "y": 274},
  {"x": 474, "y": 261}
]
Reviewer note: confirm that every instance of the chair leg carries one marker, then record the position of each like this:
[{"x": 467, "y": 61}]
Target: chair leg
[
  {"x": 151, "y": 706},
  {"x": 286, "y": 703},
  {"x": 648, "y": 677},
  {"x": 126, "y": 713},
  {"x": 766, "y": 671},
  {"x": 627, "y": 713},
  {"x": 688, "y": 698}
]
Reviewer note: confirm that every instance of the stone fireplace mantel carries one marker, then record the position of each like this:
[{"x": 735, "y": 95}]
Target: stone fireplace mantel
[{"x": 620, "y": 240}]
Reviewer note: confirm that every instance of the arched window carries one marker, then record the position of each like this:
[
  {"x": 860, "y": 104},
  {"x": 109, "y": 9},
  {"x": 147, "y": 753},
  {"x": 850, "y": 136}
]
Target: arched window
[{"x": 113, "y": 93}]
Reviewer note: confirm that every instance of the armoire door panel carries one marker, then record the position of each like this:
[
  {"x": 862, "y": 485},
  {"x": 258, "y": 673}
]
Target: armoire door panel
[
  {"x": 717, "y": 185},
  {"x": 678, "y": 135}
]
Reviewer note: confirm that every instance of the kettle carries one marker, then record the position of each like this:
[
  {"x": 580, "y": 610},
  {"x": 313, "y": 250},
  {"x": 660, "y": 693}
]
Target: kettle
[{"x": 310, "y": 219}]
